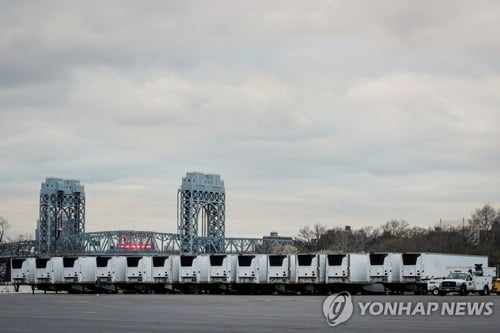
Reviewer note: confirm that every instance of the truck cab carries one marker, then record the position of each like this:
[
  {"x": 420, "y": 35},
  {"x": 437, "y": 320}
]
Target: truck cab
[{"x": 466, "y": 282}]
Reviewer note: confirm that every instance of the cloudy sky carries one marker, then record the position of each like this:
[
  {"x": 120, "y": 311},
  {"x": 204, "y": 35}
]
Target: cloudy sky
[{"x": 331, "y": 112}]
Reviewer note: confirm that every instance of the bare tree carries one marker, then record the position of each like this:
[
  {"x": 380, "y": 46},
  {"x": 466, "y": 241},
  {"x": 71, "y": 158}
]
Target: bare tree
[
  {"x": 483, "y": 218},
  {"x": 318, "y": 230},
  {"x": 482, "y": 223},
  {"x": 344, "y": 240},
  {"x": 306, "y": 234},
  {"x": 396, "y": 228},
  {"x": 4, "y": 225},
  {"x": 335, "y": 240}
]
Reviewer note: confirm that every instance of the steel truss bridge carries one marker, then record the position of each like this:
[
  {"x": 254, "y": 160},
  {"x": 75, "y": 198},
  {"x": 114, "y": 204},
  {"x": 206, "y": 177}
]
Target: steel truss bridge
[
  {"x": 129, "y": 242},
  {"x": 200, "y": 201}
]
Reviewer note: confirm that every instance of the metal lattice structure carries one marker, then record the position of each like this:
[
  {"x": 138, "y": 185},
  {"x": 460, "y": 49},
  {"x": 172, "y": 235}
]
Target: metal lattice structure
[
  {"x": 119, "y": 242},
  {"x": 201, "y": 197},
  {"x": 126, "y": 242},
  {"x": 62, "y": 212}
]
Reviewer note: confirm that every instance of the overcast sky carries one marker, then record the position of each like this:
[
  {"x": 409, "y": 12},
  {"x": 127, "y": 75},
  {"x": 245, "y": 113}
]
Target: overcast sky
[{"x": 331, "y": 112}]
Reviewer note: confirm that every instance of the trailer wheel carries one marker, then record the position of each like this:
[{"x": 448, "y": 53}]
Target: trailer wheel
[
  {"x": 463, "y": 290},
  {"x": 435, "y": 291}
]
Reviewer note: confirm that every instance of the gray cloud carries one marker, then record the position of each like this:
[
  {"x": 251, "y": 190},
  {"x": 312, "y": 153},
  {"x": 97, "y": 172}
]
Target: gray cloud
[{"x": 333, "y": 112}]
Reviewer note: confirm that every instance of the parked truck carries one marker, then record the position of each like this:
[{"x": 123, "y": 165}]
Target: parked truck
[
  {"x": 422, "y": 272},
  {"x": 465, "y": 282}
]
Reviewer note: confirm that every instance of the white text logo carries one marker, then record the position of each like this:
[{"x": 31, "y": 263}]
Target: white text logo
[{"x": 337, "y": 308}]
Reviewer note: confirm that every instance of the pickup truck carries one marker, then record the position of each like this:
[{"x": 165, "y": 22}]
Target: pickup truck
[{"x": 464, "y": 283}]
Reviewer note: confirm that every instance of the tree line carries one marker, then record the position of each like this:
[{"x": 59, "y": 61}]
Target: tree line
[
  {"x": 480, "y": 234},
  {"x": 5, "y": 238}
]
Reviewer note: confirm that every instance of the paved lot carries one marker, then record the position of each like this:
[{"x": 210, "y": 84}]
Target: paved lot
[{"x": 202, "y": 313}]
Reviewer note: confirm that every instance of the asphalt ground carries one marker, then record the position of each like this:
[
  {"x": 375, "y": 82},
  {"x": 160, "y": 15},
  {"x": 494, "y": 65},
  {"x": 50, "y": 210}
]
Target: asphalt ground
[{"x": 229, "y": 313}]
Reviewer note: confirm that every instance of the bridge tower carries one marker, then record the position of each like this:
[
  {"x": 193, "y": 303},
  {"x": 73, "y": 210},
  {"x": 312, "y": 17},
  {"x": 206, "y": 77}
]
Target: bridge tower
[
  {"x": 62, "y": 212},
  {"x": 201, "y": 197}
]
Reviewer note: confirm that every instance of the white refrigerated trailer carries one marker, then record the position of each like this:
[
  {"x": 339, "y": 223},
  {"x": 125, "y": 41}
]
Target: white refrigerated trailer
[
  {"x": 251, "y": 269},
  {"x": 423, "y": 266},
  {"x": 246, "y": 272},
  {"x": 79, "y": 270},
  {"x": 110, "y": 271},
  {"x": 22, "y": 271},
  {"x": 214, "y": 272},
  {"x": 78, "y": 274},
  {"x": 189, "y": 268},
  {"x": 346, "y": 268},
  {"x": 162, "y": 270},
  {"x": 278, "y": 268},
  {"x": 138, "y": 269},
  {"x": 343, "y": 271},
  {"x": 305, "y": 269},
  {"x": 220, "y": 269},
  {"x": 147, "y": 274},
  {"x": 418, "y": 268},
  {"x": 49, "y": 270},
  {"x": 385, "y": 269}
]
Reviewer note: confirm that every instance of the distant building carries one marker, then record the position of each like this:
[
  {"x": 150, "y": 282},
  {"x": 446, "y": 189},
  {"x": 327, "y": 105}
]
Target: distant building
[{"x": 274, "y": 236}]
